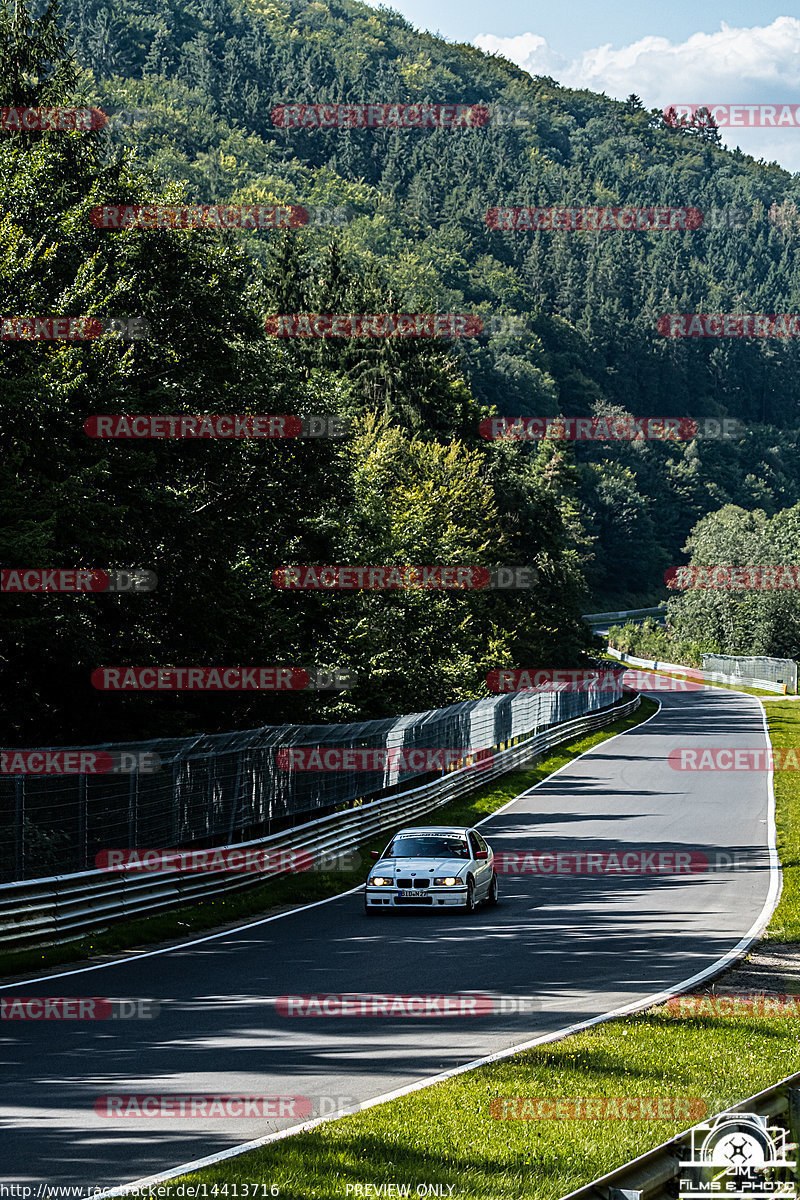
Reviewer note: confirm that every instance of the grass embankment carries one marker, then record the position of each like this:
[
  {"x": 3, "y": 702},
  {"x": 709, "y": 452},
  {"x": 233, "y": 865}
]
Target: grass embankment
[
  {"x": 446, "y": 1134},
  {"x": 288, "y": 891}
]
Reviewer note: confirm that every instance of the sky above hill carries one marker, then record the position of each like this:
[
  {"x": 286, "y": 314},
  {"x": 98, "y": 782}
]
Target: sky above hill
[{"x": 684, "y": 52}]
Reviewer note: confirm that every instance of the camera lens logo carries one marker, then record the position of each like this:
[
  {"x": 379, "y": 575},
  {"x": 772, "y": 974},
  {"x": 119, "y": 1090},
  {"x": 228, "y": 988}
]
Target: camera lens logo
[
  {"x": 739, "y": 1155},
  {"x": 742, "y": 1151}
]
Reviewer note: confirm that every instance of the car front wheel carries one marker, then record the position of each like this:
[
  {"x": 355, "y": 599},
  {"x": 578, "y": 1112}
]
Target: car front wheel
[
  {"x": 469, "y": 904},
  {"x": 492, "y": 894}
]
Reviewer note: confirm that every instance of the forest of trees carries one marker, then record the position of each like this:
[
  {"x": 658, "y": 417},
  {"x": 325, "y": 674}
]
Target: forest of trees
[{"x": 194, "y": 85}]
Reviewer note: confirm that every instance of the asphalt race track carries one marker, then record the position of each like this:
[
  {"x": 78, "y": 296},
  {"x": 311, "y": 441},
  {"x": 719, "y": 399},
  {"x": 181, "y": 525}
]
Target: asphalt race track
[{"x": 578, "y": 945}]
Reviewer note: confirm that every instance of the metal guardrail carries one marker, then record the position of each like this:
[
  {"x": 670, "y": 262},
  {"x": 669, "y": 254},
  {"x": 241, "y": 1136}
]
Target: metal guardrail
[
  {"x": 648, "y": 1177},
  {"x": 62, "y": 907},
  {"x": 659, "y": 610}
]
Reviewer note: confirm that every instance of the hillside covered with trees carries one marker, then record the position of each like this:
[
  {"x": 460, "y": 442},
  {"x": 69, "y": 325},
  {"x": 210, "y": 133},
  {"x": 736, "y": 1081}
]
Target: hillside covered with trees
[{"x": 195, "y": 85}]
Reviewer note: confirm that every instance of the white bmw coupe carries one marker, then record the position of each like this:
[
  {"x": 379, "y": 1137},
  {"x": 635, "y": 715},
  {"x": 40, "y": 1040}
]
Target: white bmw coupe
[{"x": 432, "y": 866}]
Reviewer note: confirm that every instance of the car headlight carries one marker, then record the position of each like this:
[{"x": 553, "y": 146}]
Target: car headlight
[
  {"x": 447, "y": 881},
  {"x": 380, "y": 881}
]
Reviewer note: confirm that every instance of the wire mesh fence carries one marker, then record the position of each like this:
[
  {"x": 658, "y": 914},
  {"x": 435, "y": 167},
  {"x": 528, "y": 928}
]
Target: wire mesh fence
[
  {"x": 220, "y": 788},
  {"x": 748, "y": 669}
]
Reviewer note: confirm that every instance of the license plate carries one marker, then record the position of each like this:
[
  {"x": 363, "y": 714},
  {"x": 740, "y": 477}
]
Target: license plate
[{"x": 412, "y": 895}]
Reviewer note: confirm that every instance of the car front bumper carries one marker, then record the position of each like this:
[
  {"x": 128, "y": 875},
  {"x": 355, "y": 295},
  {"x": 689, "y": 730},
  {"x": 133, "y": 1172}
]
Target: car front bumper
[{"x": 435, "y": 897}]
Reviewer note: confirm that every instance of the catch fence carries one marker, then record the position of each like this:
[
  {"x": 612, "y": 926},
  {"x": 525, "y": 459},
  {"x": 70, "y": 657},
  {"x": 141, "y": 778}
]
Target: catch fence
[
  {"x": 223, "y": 788},
  {"x": 751, "y": 669}
]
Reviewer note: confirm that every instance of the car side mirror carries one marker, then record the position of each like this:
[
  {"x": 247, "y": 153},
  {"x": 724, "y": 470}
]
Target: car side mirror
[
  {"x": 375, "y": 854},
  {"x": 481, "y": 853}
]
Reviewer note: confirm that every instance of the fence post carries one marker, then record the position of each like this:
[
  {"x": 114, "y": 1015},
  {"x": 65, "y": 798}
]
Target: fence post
[
  {"x": 133, "y": 810},
  {"x": 83, "y": 823},
  {"x": 19, "y": 826}
]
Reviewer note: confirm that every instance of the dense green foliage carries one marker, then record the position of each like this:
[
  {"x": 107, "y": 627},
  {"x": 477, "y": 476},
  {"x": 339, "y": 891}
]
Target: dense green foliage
[
  {"x": 740, "y": 620},
  {"x": 206, "y": 78},
  {"x": 416, "y": 484},
  {"x": 214, "y": 519}
]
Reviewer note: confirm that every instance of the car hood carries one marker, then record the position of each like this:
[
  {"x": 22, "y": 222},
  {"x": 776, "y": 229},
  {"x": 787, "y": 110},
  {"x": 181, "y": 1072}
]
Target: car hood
[{"x": 420, "y": 866}]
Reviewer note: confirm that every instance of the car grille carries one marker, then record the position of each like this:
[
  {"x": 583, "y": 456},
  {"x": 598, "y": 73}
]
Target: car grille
[{"x": 413, "y": 883}]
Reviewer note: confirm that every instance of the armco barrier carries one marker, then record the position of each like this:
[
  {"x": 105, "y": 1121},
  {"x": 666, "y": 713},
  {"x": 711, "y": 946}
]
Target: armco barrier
[
  {"x": 654, "y": 1176},
  {"x": 62, "y": 907},
  {"x": 765, "y": 685},
  {"x": 659, "y": 610}
]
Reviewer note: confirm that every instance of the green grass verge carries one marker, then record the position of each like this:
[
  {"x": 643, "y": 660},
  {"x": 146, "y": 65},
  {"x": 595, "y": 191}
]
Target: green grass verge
[
  {"x": 446, "y": 1134},
  {"x": 286, "y": 891},
  {"x": 784, "y": 731}
]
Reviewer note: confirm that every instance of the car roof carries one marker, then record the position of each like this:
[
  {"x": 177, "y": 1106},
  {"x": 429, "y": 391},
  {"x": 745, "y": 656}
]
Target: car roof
[{"x": 441, "y": 829}]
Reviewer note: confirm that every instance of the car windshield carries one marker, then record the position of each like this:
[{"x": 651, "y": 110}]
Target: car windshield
[{"x": 428, "y": 847}]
